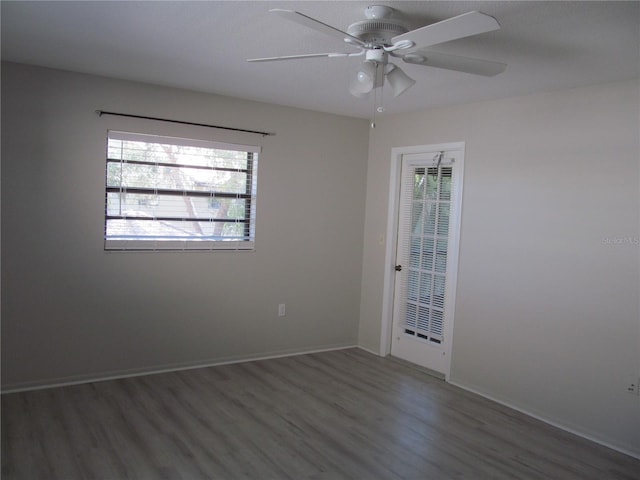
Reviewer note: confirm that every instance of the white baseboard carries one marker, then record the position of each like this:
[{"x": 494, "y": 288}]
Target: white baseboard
[
  {"x": 548, "y": 421},
  {"x": 118, "y": 374},
  {"x": 372, "y": 352}
]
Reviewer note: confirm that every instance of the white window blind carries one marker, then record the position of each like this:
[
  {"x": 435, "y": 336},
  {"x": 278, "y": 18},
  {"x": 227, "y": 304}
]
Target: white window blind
[
  {"x": 165, "y": 193},
  {"x": 427, "y": 228}
]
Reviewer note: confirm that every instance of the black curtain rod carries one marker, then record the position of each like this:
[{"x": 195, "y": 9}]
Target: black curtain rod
[{"x": 102, "y": 112}]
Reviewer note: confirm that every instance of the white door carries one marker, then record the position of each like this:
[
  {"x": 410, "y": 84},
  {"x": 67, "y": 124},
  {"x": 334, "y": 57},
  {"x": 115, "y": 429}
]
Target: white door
[{"x": 426, "y": 257}]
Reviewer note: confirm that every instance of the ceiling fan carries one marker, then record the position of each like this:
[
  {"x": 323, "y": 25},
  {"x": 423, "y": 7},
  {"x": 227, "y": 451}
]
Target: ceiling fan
[{"x": 383, "y": 35}]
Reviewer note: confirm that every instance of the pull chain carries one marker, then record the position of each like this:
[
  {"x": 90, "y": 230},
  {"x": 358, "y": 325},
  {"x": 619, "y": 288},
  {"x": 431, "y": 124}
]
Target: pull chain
[
  {"x": 373, "y": 113},
  {"x": 376, "y": 107},
  {"x": 375, "y": 99}
]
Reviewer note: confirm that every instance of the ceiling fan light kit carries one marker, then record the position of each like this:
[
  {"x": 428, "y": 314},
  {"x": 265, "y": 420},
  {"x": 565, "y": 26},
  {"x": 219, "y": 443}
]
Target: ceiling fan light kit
[
  {"x": 364, "y": 80},
  {"x": 399, "y": 81},
  {"x": 383, "y": 33}
]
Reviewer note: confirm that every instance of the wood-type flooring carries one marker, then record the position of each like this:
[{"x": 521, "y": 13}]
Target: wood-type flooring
[{"x": 344, "y": 414}]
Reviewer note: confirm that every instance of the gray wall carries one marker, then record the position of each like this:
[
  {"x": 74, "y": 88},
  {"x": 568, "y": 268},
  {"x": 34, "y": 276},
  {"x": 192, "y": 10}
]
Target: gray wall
[
  {"x": 71, "y": 311},
  {"x": 547, "y": 313}
]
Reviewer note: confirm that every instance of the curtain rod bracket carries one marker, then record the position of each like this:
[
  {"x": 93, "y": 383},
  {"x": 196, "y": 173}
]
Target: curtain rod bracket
[{"x": 143, "y": 117}]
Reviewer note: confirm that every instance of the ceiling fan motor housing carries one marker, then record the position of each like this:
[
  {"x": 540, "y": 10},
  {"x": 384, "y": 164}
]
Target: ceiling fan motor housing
[{"x": 377, "y": 32}]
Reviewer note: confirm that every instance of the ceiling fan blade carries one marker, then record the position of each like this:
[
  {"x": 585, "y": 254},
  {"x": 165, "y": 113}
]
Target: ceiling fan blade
[
  {"x": 314, "y": 24},
  {"x": 475, "y": 66},
  {"x": 465, "y": 25},
  {"x": 295, "y": 57}
]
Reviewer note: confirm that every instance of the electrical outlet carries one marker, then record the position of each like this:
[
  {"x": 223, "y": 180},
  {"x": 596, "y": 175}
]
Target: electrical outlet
[
  {"x": 632, "y": 387},
  {"x": 282, "y": 310}
]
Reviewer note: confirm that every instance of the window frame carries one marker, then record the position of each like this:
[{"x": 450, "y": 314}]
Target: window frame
[{"x": 246, "y": 242}]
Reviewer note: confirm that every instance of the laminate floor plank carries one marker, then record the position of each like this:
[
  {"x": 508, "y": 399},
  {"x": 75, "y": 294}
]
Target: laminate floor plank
[{"x": 336, "y": 415}]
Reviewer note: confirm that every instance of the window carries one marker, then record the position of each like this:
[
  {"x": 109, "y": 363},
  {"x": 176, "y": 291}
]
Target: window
[{"x": 166, "y": 193}]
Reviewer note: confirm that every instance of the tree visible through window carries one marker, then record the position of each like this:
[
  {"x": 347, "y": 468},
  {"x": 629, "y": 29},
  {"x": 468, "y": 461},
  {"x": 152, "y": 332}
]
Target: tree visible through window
[{"x": 166, "y": 193}]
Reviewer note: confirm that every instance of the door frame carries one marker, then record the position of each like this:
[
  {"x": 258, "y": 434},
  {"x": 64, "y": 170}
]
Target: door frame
[{"x": 388, "y": 292}]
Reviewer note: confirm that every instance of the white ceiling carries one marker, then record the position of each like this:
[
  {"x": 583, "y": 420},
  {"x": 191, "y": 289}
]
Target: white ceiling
[{"x": 203, "y": 46}]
